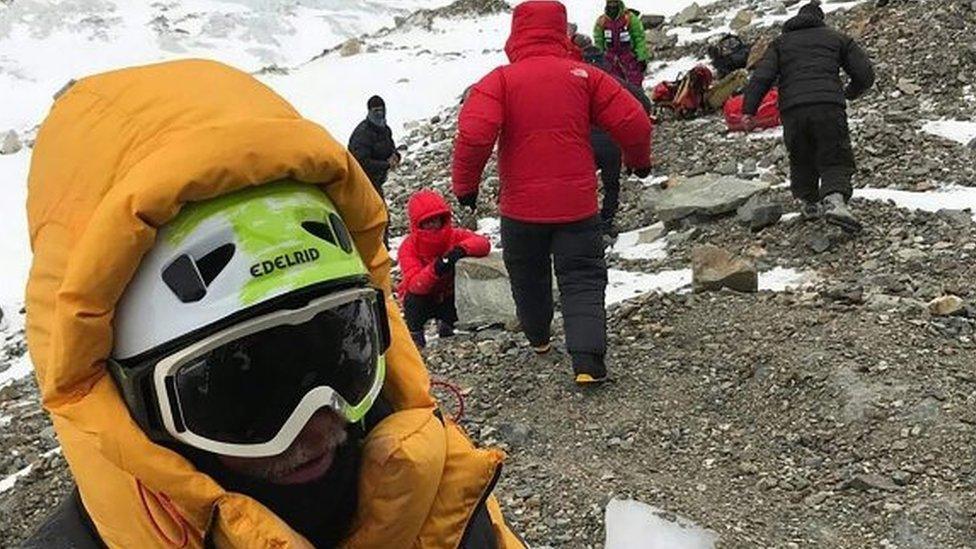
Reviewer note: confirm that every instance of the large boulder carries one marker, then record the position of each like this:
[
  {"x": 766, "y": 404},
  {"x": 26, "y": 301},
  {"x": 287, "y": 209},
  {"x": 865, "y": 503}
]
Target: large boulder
[
  {"x": 714, "y": 268},
  {"x": 659, "y": 39},
  {"x": 742, "y": 20},
  {"x": 705, "y": 195},
  {"x": 652, "y": 21},
  {"x": 351, "y": 47},
  {"x": 483, "y": 293},
  {"x": 691, "y": 14}
]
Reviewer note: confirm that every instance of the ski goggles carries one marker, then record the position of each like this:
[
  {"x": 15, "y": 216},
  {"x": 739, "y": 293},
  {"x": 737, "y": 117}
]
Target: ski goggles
[{"x": 249, "y": 390}]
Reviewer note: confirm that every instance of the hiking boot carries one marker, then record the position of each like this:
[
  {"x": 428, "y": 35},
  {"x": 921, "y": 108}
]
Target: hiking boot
[
  {"x": 589, "y": 369},
  {"x": 543, "y": 349},
  {"x": 810, "y": 211},
  {"x": 836, "y": 212},
  {"x": 445, "y": 329},
  {"x": 419, "y": 339}
]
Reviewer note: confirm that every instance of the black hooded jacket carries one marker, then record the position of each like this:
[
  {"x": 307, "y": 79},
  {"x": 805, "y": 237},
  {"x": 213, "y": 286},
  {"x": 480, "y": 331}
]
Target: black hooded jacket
[
  {"x": 807, "y": 59},
  {"x": 373, "y": 146}
]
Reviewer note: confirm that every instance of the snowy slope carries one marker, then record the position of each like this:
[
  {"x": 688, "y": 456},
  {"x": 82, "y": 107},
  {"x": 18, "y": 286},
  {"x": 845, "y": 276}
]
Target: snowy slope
[{"x": 44, "y": 44}]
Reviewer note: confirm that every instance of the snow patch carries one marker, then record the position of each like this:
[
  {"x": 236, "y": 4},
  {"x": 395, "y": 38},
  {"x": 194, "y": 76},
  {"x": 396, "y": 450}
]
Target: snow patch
[
  {"x": 780, "y": 279},
  {"x": 630, "y": 246},
  {"x": 624, "y": 285},
  {"x": 769, "y": 133},
  {"x": 951, "y": 197},
  {"x": 960, "y": 131},
  {"x": 666, "y": 72},
  {"x": 14, "y": 240},
  {"x": 635, "y": 525},
  {"x": 21, "y": 368}
]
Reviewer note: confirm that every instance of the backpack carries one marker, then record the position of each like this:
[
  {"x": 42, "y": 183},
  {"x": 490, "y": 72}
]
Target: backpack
[
  {"x": 689, "y": 98},
  {"x": 767, "y": 116},
  {"x": 729, "y": 54},
  {"x": 758, "y": 51},
  {"x": 726, "y": 88}
]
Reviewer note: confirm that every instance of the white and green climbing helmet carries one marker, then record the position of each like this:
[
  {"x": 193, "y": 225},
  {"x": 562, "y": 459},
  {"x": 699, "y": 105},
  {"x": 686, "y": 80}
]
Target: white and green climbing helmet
[{"x": 251, "y": 312}]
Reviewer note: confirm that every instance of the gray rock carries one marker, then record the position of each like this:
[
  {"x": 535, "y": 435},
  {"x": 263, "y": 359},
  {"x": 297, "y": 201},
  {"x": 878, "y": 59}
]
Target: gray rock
[
  {"x": 728, "y": 167},
  {"x": 714, "y": 268},
  {"x": 705, "y": 195},
  {"x": 742, "y": 20},
  {"x": 883, "y": 302},
  {"x": 518, "y": 434},
  {"x": 483, "y": 293},
  {"x": 765, "y": 216},
  {"x": 958, "y": 218},
  {"x": 819, "y": 242},
  {"x": 867, "y": 482},
  {"x": 11, "y": 143},
  {"x": 659, "y": 39},
  {"x": 972, "y": 144},
  {"x": 947, "y": 305},
  {"x": 652, "y": 21},
  {"x": 691, "y": 14},
  {"x": 351, "y": 47}
]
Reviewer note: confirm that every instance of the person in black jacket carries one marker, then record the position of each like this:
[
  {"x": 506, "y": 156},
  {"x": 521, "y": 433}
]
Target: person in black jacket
[
  {"x": 806, "y": 60},
  {"x": 372, "y": 144},
  {"x": 606, "y": 152}
]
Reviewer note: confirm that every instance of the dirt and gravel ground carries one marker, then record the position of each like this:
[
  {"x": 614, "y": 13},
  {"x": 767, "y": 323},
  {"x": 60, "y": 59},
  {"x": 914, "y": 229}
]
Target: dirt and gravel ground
[{"x": 837, "y": 415}]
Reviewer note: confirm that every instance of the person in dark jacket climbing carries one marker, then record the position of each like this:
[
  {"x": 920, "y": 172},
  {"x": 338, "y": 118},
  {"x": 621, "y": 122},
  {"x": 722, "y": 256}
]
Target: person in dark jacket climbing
[
  {"x": 806, "y": 60},
  {"x": 373, "y": 146},
  {"x": 427, "y": 258},
  {"x": 607, "y": 153},
  {"x": 540, "y": 108}
]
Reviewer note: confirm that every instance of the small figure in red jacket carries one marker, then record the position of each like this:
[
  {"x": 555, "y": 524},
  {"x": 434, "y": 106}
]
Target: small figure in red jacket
[
  {"x": 427, "y": 258},
  {"x": 540, "y": 109}
]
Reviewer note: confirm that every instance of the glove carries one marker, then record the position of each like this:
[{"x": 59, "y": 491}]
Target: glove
[
  {"x": 447, "y": 261},
  {"x": 469, "y": 201},
  {"x": 642, "y": 173}
]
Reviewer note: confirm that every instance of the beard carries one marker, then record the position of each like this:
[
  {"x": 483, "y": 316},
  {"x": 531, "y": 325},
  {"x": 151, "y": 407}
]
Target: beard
[{"x": 321, "y": 510}]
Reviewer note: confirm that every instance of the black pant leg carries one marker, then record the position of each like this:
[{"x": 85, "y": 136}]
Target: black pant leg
[
  {"x": 608, "y": 158},
  {"x": 417, "y": 310},
  {"x": 526, "y": 249},
  {"x": 581, "y": 270},
  {"x": 447, "y": 310},
  {"x": 804, "y": 177},
  {"x": 835, "y": 155}
]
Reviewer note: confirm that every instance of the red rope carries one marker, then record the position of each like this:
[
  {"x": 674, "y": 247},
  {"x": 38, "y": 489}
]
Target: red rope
[
  {"x": 457, "y": 394},
  {"x": 164, "y": 502}
]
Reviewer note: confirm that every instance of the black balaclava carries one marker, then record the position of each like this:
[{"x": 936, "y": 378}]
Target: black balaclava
[
  {"x": 377, "y": 111},
  {"x": 613, "y": 9},
  {"x": 813, "y": 9}
]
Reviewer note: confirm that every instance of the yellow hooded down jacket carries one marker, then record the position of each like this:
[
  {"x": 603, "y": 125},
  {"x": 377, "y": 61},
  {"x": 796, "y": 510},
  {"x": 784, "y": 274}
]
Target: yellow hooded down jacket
[{"x": 116, "y": 158}]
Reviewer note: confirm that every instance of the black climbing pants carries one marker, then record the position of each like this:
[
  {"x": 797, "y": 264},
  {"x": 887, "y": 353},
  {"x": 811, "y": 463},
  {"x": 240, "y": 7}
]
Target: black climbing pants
[
  {"x": 529, "y": 251},
  {"x": 821, "y": 157},
  {"x": 418, "y": 309},
  {"x": 608, "y": 159}
]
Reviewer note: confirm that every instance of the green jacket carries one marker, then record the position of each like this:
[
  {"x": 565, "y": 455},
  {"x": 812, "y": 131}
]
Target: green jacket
[{"x": 638, "y": 40}]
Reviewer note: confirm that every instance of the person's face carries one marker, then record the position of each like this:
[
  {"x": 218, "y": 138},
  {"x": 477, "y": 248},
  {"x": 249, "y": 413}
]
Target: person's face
[
  {"x": 308, "y": 459},
  {"x": 432, "y": 224},
  {"x": 614, "y": 7}
]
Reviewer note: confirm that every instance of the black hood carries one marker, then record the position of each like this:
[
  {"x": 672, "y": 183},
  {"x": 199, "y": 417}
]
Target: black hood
[{"x": 803, "y": 21}]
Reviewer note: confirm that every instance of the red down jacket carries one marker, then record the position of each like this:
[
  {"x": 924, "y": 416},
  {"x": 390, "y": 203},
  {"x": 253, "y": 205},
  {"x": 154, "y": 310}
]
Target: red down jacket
[
  {"x": 423, "y": 247},
  {"x": 540, "y": 108}
]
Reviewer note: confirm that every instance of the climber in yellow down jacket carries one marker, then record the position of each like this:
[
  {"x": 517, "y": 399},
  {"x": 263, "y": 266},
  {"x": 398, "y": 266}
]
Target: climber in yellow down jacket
[{"x": 210, "y": 318}]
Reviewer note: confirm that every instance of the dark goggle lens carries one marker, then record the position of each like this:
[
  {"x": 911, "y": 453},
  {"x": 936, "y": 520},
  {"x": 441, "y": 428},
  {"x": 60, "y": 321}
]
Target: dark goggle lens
[{"x": 245, "y": 391}]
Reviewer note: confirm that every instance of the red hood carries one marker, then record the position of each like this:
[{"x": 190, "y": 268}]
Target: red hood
[
  {"x": 424, "y": 205},
  {"x": 538, "y": 28}
]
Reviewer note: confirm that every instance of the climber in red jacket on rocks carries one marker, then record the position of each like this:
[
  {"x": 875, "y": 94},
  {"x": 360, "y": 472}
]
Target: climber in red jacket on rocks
[
  {"x": 427, "y": 258},
  {"x": 540, "y": 108}
]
